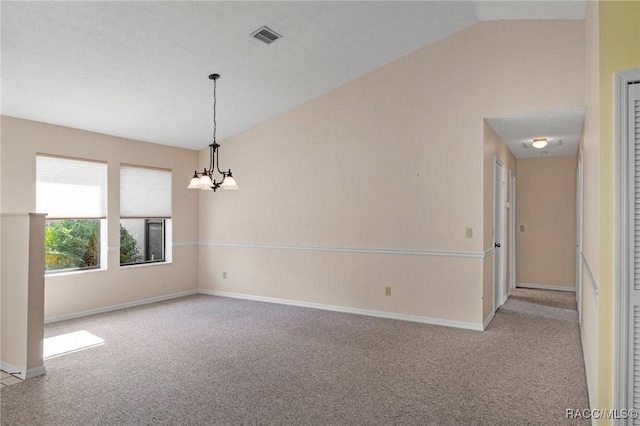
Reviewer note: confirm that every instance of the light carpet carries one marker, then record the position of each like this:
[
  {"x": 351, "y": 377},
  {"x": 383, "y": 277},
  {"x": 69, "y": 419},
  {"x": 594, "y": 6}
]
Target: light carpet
[{"x": 205, "y": 360}]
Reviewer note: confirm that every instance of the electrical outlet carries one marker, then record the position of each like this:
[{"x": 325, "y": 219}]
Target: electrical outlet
[
  {"x": 387, "y": 291},
  {"x": 469, "y": 232},
  {"x": 521, "y": 228},
  {"x": 224, "y": 275}
]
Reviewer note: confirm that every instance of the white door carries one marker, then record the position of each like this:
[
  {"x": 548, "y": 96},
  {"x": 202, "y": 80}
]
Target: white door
[
  {"x": 633, "y": 337},
  {"x": 498, "y": 235}
]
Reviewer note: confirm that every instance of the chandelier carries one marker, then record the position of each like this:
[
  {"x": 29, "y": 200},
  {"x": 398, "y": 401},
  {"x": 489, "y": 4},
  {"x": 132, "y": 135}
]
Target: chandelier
[{"x": 205, "y": 180}]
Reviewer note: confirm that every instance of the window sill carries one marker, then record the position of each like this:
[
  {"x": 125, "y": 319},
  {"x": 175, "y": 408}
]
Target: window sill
[
  {"x": 142, "y": 265},
  {"x": 67, "y": 273}
]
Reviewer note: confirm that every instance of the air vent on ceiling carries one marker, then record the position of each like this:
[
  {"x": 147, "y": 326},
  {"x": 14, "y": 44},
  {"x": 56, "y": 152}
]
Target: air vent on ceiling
[{"x": 266, "y": 35}]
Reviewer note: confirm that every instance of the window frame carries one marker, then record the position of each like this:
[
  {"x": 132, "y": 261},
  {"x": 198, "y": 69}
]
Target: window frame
[
  {"x": 147, "y": 215},
  {"x": 166, "y": 245},
  {"x": 55, "y": 171},
  {"x": 102, "y": 251}
]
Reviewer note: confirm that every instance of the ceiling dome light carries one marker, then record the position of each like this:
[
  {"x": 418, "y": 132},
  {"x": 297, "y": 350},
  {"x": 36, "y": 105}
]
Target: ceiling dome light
[{"x": 539, "y": 143}]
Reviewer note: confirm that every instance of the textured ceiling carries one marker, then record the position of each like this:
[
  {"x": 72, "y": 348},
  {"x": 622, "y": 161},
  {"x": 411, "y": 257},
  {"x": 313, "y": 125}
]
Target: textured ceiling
[{"x": 139, "y": 69}]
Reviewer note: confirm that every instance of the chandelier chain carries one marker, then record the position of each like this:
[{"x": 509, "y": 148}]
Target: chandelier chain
[{"x": 214, "y": 111}]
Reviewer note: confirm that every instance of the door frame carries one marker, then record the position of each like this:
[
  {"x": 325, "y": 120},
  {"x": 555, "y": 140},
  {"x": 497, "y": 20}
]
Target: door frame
[
  {"x": 512, "y": 230},
  {"x": 579, "y": 233},
  {"x": 498, "y": 253},
  {"x": 622, "y": 239}
]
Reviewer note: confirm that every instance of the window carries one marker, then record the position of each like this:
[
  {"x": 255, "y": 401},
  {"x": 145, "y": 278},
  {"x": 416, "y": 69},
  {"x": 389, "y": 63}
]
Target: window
[
  {"x": 142, "y": 241},
  {"x": 73, "y": 194},
  {"x": 72, "y": 244},
  {"x": 145, "y": 215}
]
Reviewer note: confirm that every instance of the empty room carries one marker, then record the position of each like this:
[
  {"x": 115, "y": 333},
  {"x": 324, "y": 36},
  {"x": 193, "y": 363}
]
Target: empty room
[{"x": 322, "y": 213}]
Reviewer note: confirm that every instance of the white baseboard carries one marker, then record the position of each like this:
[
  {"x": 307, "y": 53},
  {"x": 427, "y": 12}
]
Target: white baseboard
[
  {"x": 346, "y": 309},
  {"x": 486, "y": 322},
  {"x": 592, "y": 403},
  {"x": 545, "y": 287},
  {"x": 118, "y": 306},
  {"x": 35, "y": 372},
  {"x": 21, "y": 373},
  {"x": 336, "y": 308}
]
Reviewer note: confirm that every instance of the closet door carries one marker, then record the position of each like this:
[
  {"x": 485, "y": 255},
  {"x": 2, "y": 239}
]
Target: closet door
[{"x": 634, "y": 258}]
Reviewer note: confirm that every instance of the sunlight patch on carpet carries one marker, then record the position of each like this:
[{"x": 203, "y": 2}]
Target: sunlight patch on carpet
[{"x": 70, "y": 342}]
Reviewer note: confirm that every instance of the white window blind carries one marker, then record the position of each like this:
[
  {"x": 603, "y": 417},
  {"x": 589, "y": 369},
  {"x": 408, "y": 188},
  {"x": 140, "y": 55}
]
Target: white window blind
[
  {"x": 71, "y": 189},
  {"x": 634, "y": 225},
  {"x": 634, "y": 154},
  {"x": 145, "y": 192}
]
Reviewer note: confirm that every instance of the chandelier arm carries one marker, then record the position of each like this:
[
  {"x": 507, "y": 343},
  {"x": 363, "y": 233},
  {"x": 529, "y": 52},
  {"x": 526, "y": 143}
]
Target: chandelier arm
[
  {"x": 218, "y": 165},
  {"x": 212, "y": 154}
]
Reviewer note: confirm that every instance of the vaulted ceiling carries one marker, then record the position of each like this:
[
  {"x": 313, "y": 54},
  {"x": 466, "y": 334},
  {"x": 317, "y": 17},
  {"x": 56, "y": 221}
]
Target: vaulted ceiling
[{"x": 140, "y": 69}]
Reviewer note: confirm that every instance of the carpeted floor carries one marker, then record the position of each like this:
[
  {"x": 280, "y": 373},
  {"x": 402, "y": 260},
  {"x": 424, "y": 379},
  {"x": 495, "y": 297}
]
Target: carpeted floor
[
  {"x": 204, "y": 360},
  {"x": 552, "y": 304}
]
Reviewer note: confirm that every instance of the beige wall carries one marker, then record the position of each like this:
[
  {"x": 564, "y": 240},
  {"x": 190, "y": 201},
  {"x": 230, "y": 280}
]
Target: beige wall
[
  {"x": 546, "y": 207},
  {"x": 619, "y": 49},
  {"x": 15, "y": 291},
  {"x": 393, "y": 160},
  {"x": 494, "y": 148},
  {"x": 77, "y": 292},
  {"x": 22, "y": 301},
  {"x": 35, "y": 305}
]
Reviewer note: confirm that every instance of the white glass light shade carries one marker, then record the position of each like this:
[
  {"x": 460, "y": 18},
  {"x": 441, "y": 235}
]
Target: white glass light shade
[
  {"x": 229, "y": 183},
  {"x": 195, "y": 183},
  {"x": 539, "y": 143},
  {"x": 205, "y": 182}
]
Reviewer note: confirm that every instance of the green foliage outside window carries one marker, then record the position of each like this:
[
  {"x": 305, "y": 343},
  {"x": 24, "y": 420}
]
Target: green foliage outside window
[
  {"x": 72, "y": 244},
  {"x": 129, "y": 248},
  {"x": 75, "y": 244}
]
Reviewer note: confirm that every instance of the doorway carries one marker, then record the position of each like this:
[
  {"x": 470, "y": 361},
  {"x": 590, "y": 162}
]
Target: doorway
[
  {"x": 498, "y": 235},
  {"x": 512, "y": 230}
]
